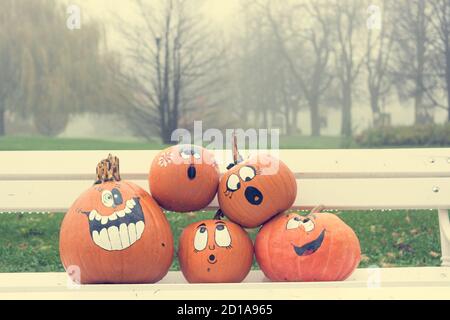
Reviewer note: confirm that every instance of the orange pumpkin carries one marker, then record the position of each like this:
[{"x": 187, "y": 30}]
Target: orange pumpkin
[
  {"x": 215, "y": 251},
  {"x": 184, "y": 178},
  {"x": 116, "y": 233},
  {"x": 318, "y": 247},
  {"x": 256, "y": 189}
]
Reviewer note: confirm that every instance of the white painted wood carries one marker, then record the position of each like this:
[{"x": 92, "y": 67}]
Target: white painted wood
[
  {"x": 444, "y": 226},
  {"x": 31, "y": 165},
  {"x": 345, "y": 194},
  {"x": 393, "y": 283}
]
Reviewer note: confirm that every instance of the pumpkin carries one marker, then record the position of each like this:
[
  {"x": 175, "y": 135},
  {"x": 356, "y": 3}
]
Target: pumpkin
[
  {"x": 215, "y": 251},
  {"x": 253, "y": 191},
  {"x": 184, "y": 178},
  {"x": 318, "y": 247},
  {"x": 115, "y": 232}
]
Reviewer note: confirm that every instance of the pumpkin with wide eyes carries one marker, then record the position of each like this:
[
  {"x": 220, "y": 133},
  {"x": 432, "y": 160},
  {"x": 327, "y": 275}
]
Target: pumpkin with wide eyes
[
  {"x": 184, "y": 178},
  {"x": 116, "y": 233},
  {"x": 318, "y": 247},
  {"x": 215, "y": 251},
  {"x": 256, "y": 189}
]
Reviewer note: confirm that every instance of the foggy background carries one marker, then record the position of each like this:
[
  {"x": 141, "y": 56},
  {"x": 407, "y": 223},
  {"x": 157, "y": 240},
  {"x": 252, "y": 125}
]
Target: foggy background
[{"x": 139, "y": 69}]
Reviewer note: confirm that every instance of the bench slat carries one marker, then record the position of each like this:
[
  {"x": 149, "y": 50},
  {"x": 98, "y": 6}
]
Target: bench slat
[
  {"x": 305, "y": 163},
  {"x": 389, "y": 283},
  {"x": 379, "y": 193}
]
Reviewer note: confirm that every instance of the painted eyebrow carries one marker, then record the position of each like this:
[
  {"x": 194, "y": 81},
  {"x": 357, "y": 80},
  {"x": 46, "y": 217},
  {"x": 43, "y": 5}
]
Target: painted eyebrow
[
  {"x": 220, "y": 222},
  {"x": 201, "y": 225}
]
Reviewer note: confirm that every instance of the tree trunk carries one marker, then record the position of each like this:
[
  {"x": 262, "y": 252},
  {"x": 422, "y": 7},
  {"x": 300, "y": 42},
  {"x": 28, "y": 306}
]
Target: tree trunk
[
  {"x": 346, "y": 126},
  {"x": 2, "y": 122},
  {"x": 374, "y": 105},
  {"x": 315, "y": 119}
]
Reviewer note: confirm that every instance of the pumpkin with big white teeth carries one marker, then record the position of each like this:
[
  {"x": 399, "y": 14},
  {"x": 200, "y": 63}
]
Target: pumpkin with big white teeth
[{"x": 116, "y": 233}]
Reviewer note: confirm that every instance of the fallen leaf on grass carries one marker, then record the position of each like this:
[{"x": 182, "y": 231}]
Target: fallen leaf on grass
[
  {"x": 364, "y": 258},
  {"x": 408, "y": 219},
  {"x": 434, "y": 254},
  {"x": 373, "y": 228},
  {"x": 414, "y": 232},
  {"x": 404, "y": 247}
]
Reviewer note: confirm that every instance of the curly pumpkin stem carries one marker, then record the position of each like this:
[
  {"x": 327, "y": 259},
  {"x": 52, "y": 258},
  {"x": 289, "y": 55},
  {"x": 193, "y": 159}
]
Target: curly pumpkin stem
[
  {"x": 219, "y": 215},
  {"x": 108, "y": 170}
]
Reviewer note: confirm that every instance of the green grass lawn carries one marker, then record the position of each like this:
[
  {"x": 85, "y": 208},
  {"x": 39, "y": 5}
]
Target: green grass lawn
[
  {"x": 29, "y": 242},
  {"x": 19, "y": 143}
]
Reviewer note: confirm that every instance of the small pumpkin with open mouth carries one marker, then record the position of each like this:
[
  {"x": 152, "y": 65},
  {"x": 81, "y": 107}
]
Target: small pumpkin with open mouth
[
  {"x": 215, "y": 251},
  {"x": 184, "y": 178},
  {"x": 318, "y": 247},
  {"x": 115, "y": 232}
]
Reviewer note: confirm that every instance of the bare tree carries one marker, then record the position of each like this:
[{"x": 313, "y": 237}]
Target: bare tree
[
  {"x": 413, "y": 50},
  {"x": 174, "y": 66},
  {"x": 440, "y": 24},
  {"x": 378, "y": 58},
  {"x": 347, "y": 62},
  {"x": 299, "y": 44}
]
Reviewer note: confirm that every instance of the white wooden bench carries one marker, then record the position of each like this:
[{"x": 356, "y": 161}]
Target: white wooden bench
[{"x": 339, "y": 179}]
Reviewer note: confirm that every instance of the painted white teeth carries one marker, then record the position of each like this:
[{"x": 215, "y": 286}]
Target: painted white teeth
[
  {"x": 127, "y": 210},
  {"x": 113, "y": 217},
  {"x": 98, "y": 217},
  {"x": 104, "y": 240},
  {"x": 131, "y": 203},
  {"x": 124, "y": 235},
  {"x": 139, "y": 229},
  {"x": 132, "y": 232},
  {"x": 105, "y": 219},
  {"x": 114, "y": 238},
  {"x": 92, "y": 215},
  {"x": 121, "y": 213},
  {"x": 119, "y": 238}
]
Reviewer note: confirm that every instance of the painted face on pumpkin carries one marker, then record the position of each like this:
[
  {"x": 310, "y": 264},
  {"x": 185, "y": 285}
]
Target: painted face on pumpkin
[
  {"x": 310, "y": 239},
  {"x": 316, "y": 247},
  {"x": 211, "y": 247},
  {"x": 184, "y": 178},
  {"x": 215, "y": 251},
  {"x": 116, "y": 220},
  {"x": 253, "y": 191}
]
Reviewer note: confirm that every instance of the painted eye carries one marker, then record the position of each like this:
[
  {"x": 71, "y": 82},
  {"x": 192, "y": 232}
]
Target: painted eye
[
  {"x": 107, "y": 198},
  {"x": 293, "y": 223},
  {"x": 185, "y": 154},
  {"x": 117, "y": 196},
  {"x": 233, "y": 183},
  {"x": 197, "y": 155},
  {"x": 308, "y": 224},
  {"x": 222, "y": 236},
  {"x": 247, "y": 173},
  {"x": 201, "y": 238}
]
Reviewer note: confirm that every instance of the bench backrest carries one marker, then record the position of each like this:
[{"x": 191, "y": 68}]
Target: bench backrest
[{"x": 43, "y": 181}]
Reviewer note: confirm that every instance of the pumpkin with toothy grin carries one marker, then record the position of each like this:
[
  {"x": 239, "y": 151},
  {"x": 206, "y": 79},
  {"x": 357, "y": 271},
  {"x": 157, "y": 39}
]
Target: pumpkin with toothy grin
[
  {"x": 115, "y": 232},
  {"x": 119, "y": 230}
]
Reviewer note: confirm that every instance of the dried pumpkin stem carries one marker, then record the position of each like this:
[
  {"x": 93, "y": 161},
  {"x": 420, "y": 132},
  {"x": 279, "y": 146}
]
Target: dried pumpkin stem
[
  {"x": 237, "y": 158},
  {"x": 219, "y": 215},
  {"x": 318, "y": 209},
  {"x": 108, "y": 170}
]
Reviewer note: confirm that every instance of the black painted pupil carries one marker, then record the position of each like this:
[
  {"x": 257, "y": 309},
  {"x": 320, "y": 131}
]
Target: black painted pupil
[
  {"x": 202, "y": 230},
  {"x": 117, "y": 196},
  {"x": 220, "y": 227},
  {"x": 238, "y": 185},
  {"x": 247, "y": 179},
  {"x": 297, "y": 219}
]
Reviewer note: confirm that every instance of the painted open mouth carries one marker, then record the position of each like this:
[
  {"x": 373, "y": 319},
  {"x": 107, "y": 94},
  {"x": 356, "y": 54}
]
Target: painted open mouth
[
  {"x": 191, "y": 172},
  {"x": 253, "y": 195},
  {"x": 212, "y": 259},
  {"x": 310, "y": 247},
  {"x": 119, "y": 230}
]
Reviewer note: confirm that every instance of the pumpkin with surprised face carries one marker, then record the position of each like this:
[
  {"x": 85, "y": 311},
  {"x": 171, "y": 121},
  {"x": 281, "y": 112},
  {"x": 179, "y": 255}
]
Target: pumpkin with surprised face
[
  {"x": 184, "y": 178},
  {"x": 116, "y": 233},
  {"x": 318, "y": 247},
  {"x": 256, "y": 189},
  {"x": 215, "y": 251}
]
